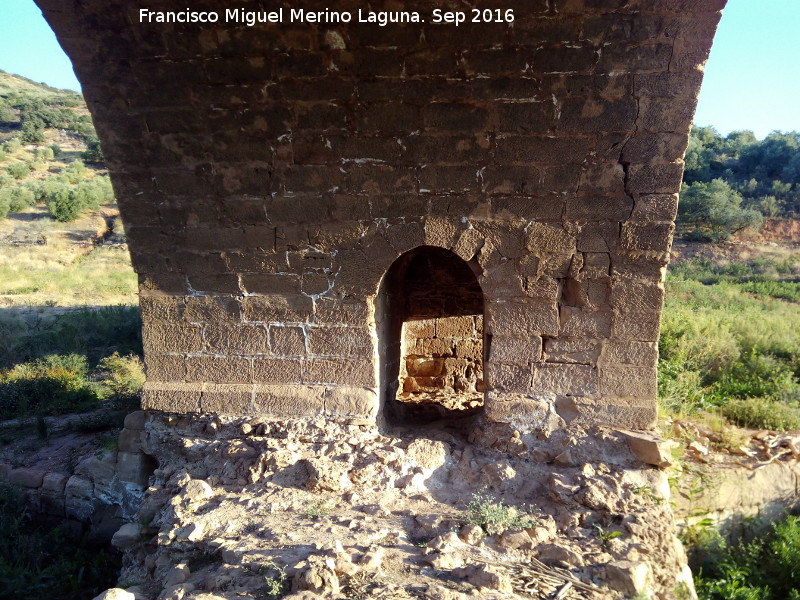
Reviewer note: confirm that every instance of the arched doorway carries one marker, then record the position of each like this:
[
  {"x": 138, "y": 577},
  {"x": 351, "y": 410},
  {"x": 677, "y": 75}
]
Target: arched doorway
[{"x": 429, "y": 316}]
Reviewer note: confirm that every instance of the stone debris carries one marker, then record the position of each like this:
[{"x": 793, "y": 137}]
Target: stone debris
[
  {"x": 319, "y": 509},
  {"x": 115, "y": 594},
  {"x": 649, "y": 448}
]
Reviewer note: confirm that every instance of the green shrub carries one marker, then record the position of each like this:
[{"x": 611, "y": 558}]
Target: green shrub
[
  {"x": 12, "y": 145},
  {"x": 17, "y": 198},
  {"x": 495, "y": 517},
  {"x": 75, "y": 172},
  {"x": 93, "y": 153},
  {"x": 18, "y": 170},
  {"x": 44, "y": 154},
  {"x": 762, "y": 413},
  {"x": 54, "y": 384},
  {"x": 63, "y": 205},
  {"x": 123, "y": 375},
  {"x": 92, "y": 333},
  {"x": 767, "y": 568}
]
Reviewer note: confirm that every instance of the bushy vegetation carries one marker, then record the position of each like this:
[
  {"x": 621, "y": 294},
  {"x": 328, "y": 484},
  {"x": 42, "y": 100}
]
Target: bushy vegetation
[
  {"x": 68, "y": 188},
  {"x": 731, "y": 339},
  {"x": 735, "y": 181},
  {"x": 93, "y": 333},
  {"x": 493, "y": 516},
  {"x": 42, "y": 563},
  {"x": 767, "y": 568},
  {"x": 61, "y": 384}
]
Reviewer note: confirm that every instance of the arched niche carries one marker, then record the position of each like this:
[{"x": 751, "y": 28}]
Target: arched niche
[{"x": 429, "y": 317}]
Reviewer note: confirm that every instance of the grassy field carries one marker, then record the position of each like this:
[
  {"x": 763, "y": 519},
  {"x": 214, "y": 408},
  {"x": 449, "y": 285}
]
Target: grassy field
[{"x": 731, "y": 339}]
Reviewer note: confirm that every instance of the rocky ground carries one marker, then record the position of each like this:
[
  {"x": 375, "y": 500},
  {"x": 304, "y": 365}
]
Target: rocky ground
[{"x": 310, "y": 509}]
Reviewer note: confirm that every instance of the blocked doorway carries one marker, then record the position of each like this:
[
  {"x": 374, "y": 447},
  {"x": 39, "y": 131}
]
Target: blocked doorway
[{"x": 430, "y": 324}]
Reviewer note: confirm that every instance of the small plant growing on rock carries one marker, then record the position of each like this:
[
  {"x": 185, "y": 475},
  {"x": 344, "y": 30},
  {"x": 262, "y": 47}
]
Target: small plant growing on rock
[
  {"x": 495, "y": 517},
  {"x": 646, "y": 491},
  {"x": 276, "y": 584},
  {"x": 605, "y": 536},
  {"x": 319, "y": 509}
]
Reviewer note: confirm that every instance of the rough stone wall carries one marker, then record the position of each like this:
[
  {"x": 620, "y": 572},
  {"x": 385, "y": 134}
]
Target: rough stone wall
[
  {"x": 269, "y": 176},
  {"x": 443, "y": 361}
]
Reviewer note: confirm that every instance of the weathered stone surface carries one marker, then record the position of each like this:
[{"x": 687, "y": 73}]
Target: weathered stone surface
[
  {"x": 28, "y": 478},
  {"x": 649, "y": 448},
  {"x": 115, "y": 594},
  {"x": 545, "y": 155},
  {"x": 127, "y": 535},
  {"x": 628, "y": 576}
]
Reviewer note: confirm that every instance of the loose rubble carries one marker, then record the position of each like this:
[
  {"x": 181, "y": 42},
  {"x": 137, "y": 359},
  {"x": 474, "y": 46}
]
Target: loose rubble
[{"x": 249, "y": 508}]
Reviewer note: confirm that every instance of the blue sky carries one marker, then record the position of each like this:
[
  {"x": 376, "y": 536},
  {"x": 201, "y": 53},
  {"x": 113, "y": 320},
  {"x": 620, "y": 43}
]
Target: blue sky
[{"x": 751, "y": 78}]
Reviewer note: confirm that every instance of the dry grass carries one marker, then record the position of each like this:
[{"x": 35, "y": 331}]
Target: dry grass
[{"x": 69, "y": 270}]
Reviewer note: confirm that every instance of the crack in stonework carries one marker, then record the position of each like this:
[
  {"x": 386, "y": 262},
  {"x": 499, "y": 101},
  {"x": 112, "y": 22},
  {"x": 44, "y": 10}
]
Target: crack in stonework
[{"x": 626, "y": 164}]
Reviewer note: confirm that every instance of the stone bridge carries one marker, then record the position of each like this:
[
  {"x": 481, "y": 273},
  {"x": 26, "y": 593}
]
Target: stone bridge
[{"x": 327, "y": 216}]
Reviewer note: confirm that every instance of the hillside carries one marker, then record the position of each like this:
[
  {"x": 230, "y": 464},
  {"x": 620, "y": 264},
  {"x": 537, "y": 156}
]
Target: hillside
[{"x": 61, "y": 241}]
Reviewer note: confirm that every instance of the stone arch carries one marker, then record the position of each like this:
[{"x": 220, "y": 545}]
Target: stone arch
[{"x": 429, "y": 320}]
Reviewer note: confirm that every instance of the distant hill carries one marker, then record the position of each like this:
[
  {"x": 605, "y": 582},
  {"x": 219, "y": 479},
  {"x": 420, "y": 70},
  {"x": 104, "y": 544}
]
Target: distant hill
[
  {"x": 17, "y": 83},
  {"x": 49, "y": 151}
]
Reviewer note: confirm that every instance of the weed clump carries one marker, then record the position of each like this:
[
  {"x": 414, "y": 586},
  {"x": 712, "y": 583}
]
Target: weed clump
[
  {"x": 762, "y": 414},
  {"x": 764, "y": 569},
  {"x": 494, "y": 517}
]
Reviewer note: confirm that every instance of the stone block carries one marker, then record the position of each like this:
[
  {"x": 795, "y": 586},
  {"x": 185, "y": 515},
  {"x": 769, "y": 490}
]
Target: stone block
[
  {"x": 136, "y": 420},
  {"x": 130, "y": 440},
  {"x": 287, "y": 341},
  {"x": 521, "y": 410},
  {"x": 575, "y": 380},
  {"x": 612, "y": 208},
  {"x": 578, "y": 322},
  {"x": 350, "y": 402},
  {"x": 515, "y": 350},
  {"x": 236, "y": 339},
  {"x": 507, "y": 377},
  {"x": 171, "y": 337},
  {"x": 289, "y": 400},
  {"x": 277, "y": 370},
  {"x": 650, "y": 448},
  {"x": 658, "y": 178},
  {"x": 525, "y": 117},
  {"x": 340, "y": 372},
  {"x": 231, "y": 399},
  {"x": 544, "y": 238},
  {"x": 542, "y": 288},
  {"x": 211, "y": 309},
  {"x": 637, "y": 236},
  {"x": 165, "y": 367},
  {"x": 522, "y": 318},
  {"x": 54, "y": 483},
  {"x": 624, "y": 352},
  {"x": 638, "y": 382},
  {"x": 171, "y": 396},
  {"x": 655, "y": 207},
  {"x": 583, "y": 351},
  {"x": 456, "y": 327},
  {"x": 277, "y": 309},
  {"x": 627, "y": 413},
  {"x": 643, "y": 326},
  {"x": 134, "y": 467},
  {"x": 219, "y": 369},
  {"x": 525, "y": 206},
  {"x": 27, "y": 478},
  {"x": 356, "y": 342}
]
